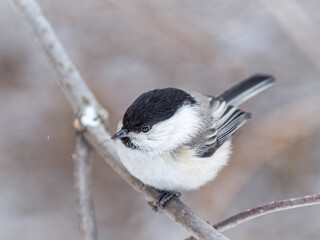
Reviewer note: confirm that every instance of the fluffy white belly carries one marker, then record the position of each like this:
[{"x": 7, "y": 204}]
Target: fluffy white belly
[{"x": 166, "y": 172}]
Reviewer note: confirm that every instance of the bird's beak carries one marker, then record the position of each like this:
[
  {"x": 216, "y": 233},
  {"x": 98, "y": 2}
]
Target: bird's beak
[{"x": 120, "y": 134}]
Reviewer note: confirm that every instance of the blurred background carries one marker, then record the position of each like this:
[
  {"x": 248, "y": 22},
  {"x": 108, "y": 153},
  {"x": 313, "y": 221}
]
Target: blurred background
[{"x": 124, "y": 48}]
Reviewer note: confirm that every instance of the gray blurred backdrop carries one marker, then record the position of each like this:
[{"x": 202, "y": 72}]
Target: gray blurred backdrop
[{"x": 124, "y": 48}]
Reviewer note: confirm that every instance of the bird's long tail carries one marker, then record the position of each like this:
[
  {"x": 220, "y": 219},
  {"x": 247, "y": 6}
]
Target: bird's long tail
[{"x": 246, "y": 89}]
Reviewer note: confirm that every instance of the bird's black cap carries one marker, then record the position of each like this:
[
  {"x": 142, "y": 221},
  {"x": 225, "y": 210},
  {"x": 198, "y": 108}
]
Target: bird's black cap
[{"x": 154, "y": 106}]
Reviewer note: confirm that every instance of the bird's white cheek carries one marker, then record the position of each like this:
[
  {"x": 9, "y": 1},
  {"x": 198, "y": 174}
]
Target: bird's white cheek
[
  {"x": 179, "y": 129},
  {"x": 140, "y": 140}
]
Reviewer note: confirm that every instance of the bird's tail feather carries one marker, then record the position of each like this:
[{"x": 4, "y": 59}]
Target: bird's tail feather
[{"x": 246, "y": 89}]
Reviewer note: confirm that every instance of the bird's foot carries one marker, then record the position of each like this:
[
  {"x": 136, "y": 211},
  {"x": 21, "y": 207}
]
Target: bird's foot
[{"x": 164, "y": 198}]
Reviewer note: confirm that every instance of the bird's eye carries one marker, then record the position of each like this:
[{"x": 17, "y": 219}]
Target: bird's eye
[{"x": 145, "y": 128}]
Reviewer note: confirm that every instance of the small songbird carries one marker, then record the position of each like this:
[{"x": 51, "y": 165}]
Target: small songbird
[{"x": 173, "y": 139}]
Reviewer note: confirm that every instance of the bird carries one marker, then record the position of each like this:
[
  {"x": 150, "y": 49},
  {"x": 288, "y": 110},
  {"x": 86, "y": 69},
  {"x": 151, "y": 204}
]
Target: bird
[{"x": 178, "y": 140}]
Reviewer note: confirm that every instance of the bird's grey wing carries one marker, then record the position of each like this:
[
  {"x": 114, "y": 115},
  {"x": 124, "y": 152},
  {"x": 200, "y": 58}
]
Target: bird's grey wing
[
  {"x": 227, "y": 118},
  {"x": 225, "y": 121}
]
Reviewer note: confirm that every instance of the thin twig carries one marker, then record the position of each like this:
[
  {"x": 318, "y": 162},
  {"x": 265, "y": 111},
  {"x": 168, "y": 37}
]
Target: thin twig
[
  {"x": 267, "y": 209},
  {"x": 82, "y": 161},
  {"x": 81, "y": 98}
]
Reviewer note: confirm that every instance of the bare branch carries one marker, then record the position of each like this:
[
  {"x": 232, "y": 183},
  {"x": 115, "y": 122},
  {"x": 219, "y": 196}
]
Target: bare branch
[
  {"x": 73, "y": 86},
  {"x": 81, "y": 98},
  {"x": 267, "y": 209},
  {"x": 82, "y": 161}
]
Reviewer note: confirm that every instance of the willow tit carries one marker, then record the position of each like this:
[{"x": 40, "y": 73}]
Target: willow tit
[{"x": 175, "y": 140}]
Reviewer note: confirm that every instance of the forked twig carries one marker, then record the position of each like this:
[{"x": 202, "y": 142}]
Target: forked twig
[{"x": 93, "y": 117}]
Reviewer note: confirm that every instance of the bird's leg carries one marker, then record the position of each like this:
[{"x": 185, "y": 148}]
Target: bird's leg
[{"x": 165, "y": 197}]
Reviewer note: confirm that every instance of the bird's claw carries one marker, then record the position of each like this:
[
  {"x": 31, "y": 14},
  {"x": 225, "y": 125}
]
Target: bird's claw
[{"x": 164, "y": 198}]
